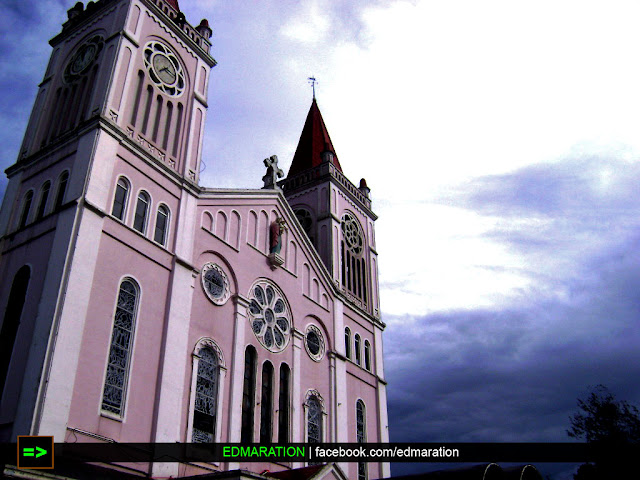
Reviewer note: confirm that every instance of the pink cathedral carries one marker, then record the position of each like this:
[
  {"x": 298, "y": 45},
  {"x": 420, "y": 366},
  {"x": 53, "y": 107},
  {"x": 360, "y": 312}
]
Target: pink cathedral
[{"x": 140, "y": 306}]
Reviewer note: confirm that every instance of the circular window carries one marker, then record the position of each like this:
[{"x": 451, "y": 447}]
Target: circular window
[
  {"x": 215, "y": 283},
  {"x": 314, "y": 343},
  {"x": 352, "y": 234},
  {"x": 164, "y": 68},
  {"x": 269, "y": 316},
  {"x": 304, "y": 217}
]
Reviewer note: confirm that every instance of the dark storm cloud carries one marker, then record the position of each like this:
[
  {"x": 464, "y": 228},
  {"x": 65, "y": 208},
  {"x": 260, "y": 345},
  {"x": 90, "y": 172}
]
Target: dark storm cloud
[{"x": 513, "y": 372}]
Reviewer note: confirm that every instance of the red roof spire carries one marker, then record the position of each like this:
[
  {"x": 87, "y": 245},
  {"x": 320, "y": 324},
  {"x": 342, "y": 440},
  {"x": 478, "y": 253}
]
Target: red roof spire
[
  {"x": 314, "y": 141},
  {"x": 174, "y": 4}
]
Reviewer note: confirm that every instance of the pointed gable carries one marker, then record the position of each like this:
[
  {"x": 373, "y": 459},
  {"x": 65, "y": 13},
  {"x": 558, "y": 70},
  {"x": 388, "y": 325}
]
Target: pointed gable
[{"x": 313, "y": 141}]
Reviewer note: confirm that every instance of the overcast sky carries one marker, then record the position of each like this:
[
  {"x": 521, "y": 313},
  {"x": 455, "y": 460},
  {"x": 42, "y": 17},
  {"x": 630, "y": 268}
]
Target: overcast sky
[{"x": 501, "y": 142}]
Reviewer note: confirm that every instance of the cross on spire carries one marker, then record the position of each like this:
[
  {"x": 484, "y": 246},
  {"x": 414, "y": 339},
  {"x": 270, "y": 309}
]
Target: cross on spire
[{"x": 312, "y": 82}]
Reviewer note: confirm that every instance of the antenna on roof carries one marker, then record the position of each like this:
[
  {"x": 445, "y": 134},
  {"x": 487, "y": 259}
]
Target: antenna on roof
[{"x": 312, "y": 82}]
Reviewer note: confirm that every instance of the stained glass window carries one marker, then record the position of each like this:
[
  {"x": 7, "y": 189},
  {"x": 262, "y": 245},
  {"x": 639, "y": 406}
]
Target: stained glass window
[
  {"x": 314, "y": 420},
  {"x": 269, "y": 316},
  {"x": 347, "y": 342},
  {"x": 357, "y": 348},
  {"x": 283, "y": 404},
  {"x": 248, "y": 395},
  {"x": 206, "y": 404},
  {"x": 361, "y": 436},
  {"x": 115, "y": 383},
  {"x": 266, "y": 410}
]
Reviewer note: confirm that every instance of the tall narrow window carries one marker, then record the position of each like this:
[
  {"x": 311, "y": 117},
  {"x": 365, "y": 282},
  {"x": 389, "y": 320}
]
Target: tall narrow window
[
  {"x": 26, "y": 207},
  {"x": 356, "y": 345},
  {"x": 248, "y": 395},
  {"x": 314, "y": 420},
  {"x": 44, "y": 195},
  {"x": 361, "y": 435},
  {"x": 120, "y": 199},
  {"x": 283, "y": 404},
  {"x": 62, "y": 189},
  {"x": 266, "y": 404},
  {"x": 115, "y": 384},
  {"x": 347, "y": 342},
  {"x": 206, "y": 402},
  {"x": 142, "y": 211},
  {"x": 162, "y": 221},
  {"x": 367, "y": 355},
  {"x": 11, "y": 321}
]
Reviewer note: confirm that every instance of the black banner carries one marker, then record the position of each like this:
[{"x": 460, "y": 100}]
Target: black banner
[{"x": 325, "y": 452}]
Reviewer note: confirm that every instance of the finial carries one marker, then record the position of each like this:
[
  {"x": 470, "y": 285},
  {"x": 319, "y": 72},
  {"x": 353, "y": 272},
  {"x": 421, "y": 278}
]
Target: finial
[
  {"x": 273, "y": 173},
  {"x": 312, "y": 82}
]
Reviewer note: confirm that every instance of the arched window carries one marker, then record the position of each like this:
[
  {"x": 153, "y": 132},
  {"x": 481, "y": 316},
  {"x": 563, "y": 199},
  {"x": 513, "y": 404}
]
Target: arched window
[
  {"x": 266, "y": 403},
  {"x": 11, "y": 321},
  {"x": 142, "y": 212},
  {"x": 314, "y": 419},
  {"x": 206, "y": 399},
  {"x": 62, "y": 189},
  {"x": 347, "y": 342},
  {"x": 356, "y": 345},
  {"x": 162, "y": 224},
  {"x": 44, "y": 195},
  {"x": 248, "y": 395},
  {"x": 120, "y": 199},
  {"x": 115, "y": 384},
  {"x": 367, "y": 355},
  {"x": 26, "y": 207},
  {"x": 283, "y": 404},
  {"x": 361, "y": 435}
]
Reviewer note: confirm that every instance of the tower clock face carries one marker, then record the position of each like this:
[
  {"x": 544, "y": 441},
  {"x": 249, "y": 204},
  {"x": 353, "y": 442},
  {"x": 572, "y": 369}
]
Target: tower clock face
[
  {"x": 83, "y": 58},
  {"x": 164, "y": 68}
]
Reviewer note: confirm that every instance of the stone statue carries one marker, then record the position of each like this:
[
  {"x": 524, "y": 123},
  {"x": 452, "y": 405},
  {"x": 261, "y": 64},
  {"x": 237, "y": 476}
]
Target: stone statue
[
  {"x": 276, "y": 230},
  {"x": 273, "y": 173}
]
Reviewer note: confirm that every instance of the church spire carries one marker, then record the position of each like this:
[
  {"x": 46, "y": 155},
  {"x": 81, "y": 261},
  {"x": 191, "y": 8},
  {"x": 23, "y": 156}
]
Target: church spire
[{"x": 314, "y": 146}]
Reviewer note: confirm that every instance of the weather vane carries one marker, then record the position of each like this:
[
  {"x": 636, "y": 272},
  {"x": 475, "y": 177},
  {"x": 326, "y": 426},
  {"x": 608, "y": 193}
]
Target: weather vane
[{"x": 312, "y": 82}]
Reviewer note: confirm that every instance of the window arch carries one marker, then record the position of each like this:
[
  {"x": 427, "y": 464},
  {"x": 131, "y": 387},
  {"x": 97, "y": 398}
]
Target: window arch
[
  {"x": 283, "y": 404},
  {"x": 361, "y": 435},
  {"x": 44, "y": 195},
  {"x": 248, "y": 394},
  {"x": 120, "y": 198},
  {"x": 266, "y": 403},
  {"x": 347, "y": 342},
  {"x": 367, "y": 355},
  {"x": 205, "y": 407},
  {"x": 26, "y": 207},
  {"x": 142, "y": 212},
  {"x": 356, "y": 346},
  {"x": 162, "y": 225},
  {"x": 62, "y": 189},
  {"x": 116, "y": 379},
  {"x": 11, "y": 321}
]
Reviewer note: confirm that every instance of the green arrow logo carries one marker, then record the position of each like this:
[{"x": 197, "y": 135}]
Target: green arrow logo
[{"x": 29, "y": 452}]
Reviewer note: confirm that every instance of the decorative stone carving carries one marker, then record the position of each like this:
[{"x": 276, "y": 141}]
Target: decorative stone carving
[{"x": 273, "y": 173}]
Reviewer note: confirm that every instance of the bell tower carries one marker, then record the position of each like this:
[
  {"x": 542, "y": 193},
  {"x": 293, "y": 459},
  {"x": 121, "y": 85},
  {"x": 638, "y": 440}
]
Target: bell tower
[
  {"x": 335, "y": 214},
  {"x": 112, "y": 150}
]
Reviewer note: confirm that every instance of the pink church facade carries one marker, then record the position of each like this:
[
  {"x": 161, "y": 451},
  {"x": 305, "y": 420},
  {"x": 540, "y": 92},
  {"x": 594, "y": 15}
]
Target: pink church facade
[{"x": 140, "y": 306}]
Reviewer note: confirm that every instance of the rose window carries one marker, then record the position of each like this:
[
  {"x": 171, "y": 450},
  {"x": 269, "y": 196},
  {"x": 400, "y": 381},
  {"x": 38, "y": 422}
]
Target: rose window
[
  {"x": 269, "y": 316},
  {"x": 352, "y": 234}
]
